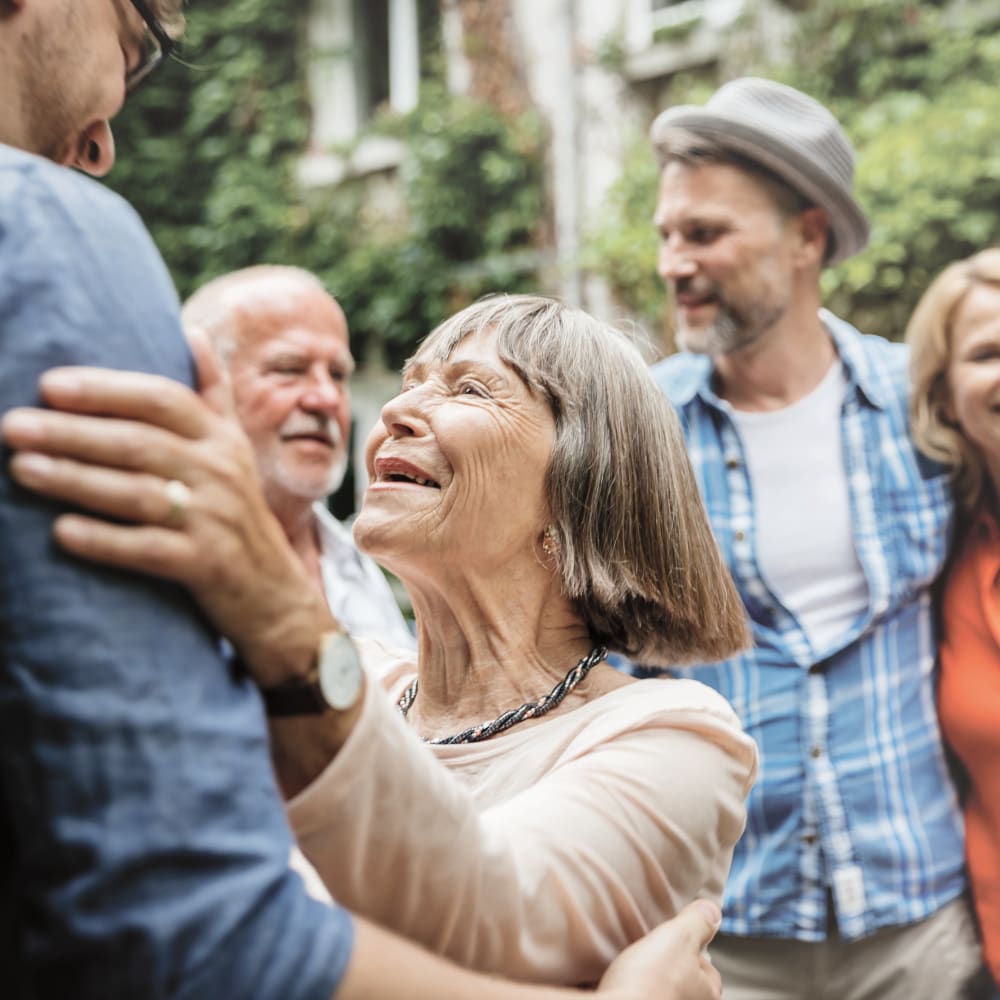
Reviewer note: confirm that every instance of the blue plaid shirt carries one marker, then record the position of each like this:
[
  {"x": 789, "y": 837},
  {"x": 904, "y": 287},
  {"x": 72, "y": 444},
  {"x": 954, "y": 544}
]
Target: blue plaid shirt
[{"x": 854, "y": 795}]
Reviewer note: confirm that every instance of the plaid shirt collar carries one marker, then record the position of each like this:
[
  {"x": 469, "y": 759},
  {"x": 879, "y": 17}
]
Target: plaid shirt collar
[{"x": 697, "y": 380}]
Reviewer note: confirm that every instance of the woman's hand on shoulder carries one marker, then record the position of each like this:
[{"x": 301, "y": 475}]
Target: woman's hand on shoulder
[{"x": 173, "y": 481}]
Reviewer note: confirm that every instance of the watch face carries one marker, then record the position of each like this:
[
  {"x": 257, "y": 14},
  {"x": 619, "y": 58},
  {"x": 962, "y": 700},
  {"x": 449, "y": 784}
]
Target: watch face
[{"x": 340, "y": 671}]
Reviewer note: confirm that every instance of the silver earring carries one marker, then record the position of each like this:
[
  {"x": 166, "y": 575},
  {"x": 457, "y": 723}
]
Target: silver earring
[{"x": 550, "y": 541}]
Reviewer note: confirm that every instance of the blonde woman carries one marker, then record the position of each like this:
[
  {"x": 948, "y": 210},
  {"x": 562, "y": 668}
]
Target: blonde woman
[{"x": 954, "y": 337}]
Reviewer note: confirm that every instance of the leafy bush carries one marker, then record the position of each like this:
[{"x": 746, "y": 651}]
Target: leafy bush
[{"x": 208, "y": 153}]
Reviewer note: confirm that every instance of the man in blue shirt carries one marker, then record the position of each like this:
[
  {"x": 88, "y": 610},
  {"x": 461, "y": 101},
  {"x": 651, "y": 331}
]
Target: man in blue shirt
[
  {"x": 848, "y": 882},
  {"x": 143, "y": 845}
]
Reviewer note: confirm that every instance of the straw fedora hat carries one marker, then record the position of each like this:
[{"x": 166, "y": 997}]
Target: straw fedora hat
[{"x": 790, "y": 134}]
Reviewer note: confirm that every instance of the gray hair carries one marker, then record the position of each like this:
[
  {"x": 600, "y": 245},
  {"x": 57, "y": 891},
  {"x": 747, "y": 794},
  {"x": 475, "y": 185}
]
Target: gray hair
[
  {"x": 634, "y": 548},
  {"x": 217, "y": 305},
  {"x": 929, "y": 334}
]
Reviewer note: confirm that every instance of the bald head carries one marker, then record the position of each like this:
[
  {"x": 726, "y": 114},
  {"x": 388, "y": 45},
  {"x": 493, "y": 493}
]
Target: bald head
[
  {"x": 225, "y": 305},
  {"x": 284, "y": 340}
]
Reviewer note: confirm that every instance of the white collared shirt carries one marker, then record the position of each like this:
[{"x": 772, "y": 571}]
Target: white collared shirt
[{"x": 356, "y": 590}]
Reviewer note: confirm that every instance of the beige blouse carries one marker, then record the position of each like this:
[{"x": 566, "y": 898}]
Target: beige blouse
[{"x": 543, "y": 852}]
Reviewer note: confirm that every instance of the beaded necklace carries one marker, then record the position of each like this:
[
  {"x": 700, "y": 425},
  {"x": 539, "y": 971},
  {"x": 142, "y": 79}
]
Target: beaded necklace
[{"x": 530, "y": 710}]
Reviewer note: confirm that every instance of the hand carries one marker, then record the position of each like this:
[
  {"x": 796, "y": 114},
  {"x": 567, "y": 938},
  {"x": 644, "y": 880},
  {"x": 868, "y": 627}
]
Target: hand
[
  {"x": 670, "y": 963},
  {"x": 127, "y": 436}
]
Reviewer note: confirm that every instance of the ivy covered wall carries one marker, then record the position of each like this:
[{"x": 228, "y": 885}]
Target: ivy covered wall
[{"x": 208, "y": 151}]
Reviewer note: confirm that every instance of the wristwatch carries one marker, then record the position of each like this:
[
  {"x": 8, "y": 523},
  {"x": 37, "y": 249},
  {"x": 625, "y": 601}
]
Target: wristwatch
[{"x": 333, "y": 681}]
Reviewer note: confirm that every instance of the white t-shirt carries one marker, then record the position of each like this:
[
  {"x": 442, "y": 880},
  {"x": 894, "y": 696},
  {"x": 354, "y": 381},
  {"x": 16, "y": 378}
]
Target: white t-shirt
[
  {"x": 358, "y": 594},
  {"x": 804, "y": 539}
]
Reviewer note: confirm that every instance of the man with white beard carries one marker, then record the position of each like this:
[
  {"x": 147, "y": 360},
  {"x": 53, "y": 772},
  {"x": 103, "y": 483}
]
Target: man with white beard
[{"x": 284, "y": 341}]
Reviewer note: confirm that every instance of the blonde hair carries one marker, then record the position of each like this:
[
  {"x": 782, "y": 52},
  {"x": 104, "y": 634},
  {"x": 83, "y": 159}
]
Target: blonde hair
[
  {"x": 929, "y": 334},
  {"x": 633, "y": 545}
]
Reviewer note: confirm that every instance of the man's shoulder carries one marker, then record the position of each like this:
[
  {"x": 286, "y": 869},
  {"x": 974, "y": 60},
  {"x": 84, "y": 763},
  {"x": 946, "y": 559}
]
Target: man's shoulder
[
  {"x": 81, "y": 282},
  {"x": 37, "y": 193},
  {"x": 875, "y": 361},
  {"x": 680, "y": 376}
]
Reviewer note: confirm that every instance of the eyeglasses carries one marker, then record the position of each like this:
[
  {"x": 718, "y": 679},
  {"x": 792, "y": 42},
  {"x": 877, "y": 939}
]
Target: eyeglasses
[{"x": 156, "y": 46}]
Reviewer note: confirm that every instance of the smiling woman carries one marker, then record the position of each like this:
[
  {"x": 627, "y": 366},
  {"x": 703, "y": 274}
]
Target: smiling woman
[
  {"x": 954, "y": 336},
  {"x": 521, "y": 808}
]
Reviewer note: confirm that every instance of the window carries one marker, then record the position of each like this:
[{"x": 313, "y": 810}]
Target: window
[
  {"x": 364, "y": 56},
  {"x": 652, "y": 21}
]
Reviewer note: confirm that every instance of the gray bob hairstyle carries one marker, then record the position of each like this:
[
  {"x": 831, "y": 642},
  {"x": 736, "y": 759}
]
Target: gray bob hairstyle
[
  {"x": 634, "y": 548},
  {"x": 929, "y": 334}
]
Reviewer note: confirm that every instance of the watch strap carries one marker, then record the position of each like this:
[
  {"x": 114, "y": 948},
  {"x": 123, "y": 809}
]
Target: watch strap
[{"x": 298, "y": 697}]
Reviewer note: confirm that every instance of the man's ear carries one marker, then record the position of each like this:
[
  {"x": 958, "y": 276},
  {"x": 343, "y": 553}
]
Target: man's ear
[{"x": 814, "y": 233}]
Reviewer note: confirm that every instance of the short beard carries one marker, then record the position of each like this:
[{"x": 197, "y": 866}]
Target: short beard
[
  {"x": 731, "y": 330},
  {"x": 307, "y": 489}
]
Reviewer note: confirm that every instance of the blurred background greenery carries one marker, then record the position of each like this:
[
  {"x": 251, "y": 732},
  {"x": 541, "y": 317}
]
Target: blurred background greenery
[{"x": 208, "y": 156}]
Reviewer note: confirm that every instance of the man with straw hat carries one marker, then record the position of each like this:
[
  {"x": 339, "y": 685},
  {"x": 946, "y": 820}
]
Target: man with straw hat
[{"x": 849, "y": 881}]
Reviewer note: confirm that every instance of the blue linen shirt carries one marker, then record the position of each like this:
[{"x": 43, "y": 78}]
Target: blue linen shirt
[
  {"x": 853, "y": 793},
  {"x": 143, "y": 842}
]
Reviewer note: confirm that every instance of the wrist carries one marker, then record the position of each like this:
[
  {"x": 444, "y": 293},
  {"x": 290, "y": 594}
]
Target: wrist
[
  {"x": 334, "y": 682},
  {"x": 285, "y": 651}
]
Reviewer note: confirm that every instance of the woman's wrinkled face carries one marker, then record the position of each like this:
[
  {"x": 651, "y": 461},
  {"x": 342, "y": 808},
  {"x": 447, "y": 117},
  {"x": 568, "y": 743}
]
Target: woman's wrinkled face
[
  {"x": 974, "y": 370},
  {"x": 457, "y": 465}
]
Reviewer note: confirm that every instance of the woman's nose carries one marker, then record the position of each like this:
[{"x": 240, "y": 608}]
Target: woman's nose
[{"x": 404, "y": 415}]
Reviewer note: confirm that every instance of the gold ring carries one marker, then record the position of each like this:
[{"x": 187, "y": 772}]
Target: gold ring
[{"x": 179, "y": 498}]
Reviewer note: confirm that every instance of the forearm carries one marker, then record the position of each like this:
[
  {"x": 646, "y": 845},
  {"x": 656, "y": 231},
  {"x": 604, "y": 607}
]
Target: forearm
[
  {"x": 385, "y": 967},
  {"x": 302, "y": 747},
  {"x": 399, "y": 839},
  {"x": 668, "y": 964}
]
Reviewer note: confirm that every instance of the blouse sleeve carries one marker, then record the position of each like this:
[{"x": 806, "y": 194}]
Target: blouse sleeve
[{"x": 552, "y": 883}]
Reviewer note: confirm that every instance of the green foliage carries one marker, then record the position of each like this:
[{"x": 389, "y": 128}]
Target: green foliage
[
  {"x": 915, "y": 87},
  {"x": 208, "y": 153},
  {"x": 623, "y": 247}
]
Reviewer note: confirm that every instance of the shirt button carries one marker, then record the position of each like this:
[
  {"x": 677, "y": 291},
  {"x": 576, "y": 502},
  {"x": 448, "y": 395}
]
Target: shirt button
[
  {"x": 816, "y": 752},
  {"x": 740, "y": 535},
  {"x": 732, "y": 463},
  {"x": 809, "y": 839}
]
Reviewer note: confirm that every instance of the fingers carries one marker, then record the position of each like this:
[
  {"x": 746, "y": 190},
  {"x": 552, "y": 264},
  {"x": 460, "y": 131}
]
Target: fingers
[
  {"x": 213, "y": 378},
  {"x": 121, "y": 444},
  {"x": 155, "y": 550},
  {"x": 701, "y": 918},
  {"x": 671, "y": 963},
  {"x": 127, "y": 496},
  {"x": 129, "y": 395}
]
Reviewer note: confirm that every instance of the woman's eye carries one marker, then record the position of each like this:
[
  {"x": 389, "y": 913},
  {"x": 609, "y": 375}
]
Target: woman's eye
[{"x": 472, "y": 389}]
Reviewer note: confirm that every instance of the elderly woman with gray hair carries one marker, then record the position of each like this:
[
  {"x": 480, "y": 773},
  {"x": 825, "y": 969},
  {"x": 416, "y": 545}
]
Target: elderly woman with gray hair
[{"x": 515, "y": 804}]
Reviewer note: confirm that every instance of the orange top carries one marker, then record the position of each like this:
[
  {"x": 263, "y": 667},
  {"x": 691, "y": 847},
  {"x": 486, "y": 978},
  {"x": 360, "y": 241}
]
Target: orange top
[{"x": 969, "y": 706}]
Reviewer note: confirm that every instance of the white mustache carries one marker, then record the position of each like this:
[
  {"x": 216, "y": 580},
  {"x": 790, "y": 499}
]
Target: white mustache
[{"x": 302, "y": 423}]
